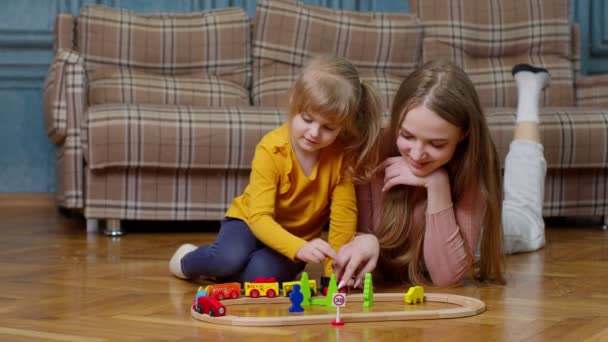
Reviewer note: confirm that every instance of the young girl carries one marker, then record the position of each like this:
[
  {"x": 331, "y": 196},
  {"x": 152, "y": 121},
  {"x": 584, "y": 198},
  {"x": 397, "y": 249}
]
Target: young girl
[
  {"x": 301, "y": 179},
  {"x": 439, "y": 197}
]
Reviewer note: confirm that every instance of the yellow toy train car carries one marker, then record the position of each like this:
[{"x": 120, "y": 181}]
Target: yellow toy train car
[
  {"x": 266, "y": 287},
  {"x": 288, "y": 287}
]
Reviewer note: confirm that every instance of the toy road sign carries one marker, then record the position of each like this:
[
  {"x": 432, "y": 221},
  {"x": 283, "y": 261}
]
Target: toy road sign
[{"x": 338, "y": 299}]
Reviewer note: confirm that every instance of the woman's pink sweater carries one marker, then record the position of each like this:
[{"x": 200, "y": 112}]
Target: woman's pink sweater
[{"x": 450, "y": 237}]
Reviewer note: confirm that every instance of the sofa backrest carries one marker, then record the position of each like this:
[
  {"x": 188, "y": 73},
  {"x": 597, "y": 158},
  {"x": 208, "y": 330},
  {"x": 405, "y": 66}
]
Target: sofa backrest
[
  {"x": 486, "y": 38},
  {"x": 384, "y": 47},
  {"x": 214, "y": 41}
]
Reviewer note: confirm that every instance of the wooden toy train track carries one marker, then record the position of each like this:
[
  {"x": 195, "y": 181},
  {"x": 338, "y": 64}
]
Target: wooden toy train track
[{"x": 467, "y": 306}]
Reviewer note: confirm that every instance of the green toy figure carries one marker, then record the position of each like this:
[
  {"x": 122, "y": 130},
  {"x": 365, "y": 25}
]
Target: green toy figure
[
  {"x": 305, "y": 289},
  {"x": 331, "y": 289},
  {"x": 368, "y": 291}
]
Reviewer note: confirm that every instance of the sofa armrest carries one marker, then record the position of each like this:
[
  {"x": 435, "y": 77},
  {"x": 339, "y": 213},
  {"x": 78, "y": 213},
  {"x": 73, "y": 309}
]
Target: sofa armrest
[
  {"x": 64, "y": 95},
  {"x": 64, "y": 32},
  {"x": 592, "y": 91},
  {"x": 64, "y": 101}
]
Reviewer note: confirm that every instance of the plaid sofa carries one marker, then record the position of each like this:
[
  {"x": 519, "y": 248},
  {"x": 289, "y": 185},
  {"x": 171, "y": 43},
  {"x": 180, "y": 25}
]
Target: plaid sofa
[
  {"x": 486, "y": 38},
  {"x": 155, "y": 117}
]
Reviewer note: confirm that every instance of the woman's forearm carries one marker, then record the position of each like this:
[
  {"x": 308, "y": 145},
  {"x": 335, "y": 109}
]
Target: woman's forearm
[
  {"x": 445, "y": 251},
  {"x": 439, "y": 195}
]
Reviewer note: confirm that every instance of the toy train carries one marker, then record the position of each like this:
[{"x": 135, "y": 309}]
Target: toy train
[
  {"x": 210, "y": 306},
  {"x": 207, "y": 300},
  {"x": 261, "y": 287},
  {"x": 223, "y": 291}
]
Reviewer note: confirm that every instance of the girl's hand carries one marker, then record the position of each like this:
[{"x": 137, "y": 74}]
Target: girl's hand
[
  {"x": 356, "y": 258},
  {"x": 315, "y": 251}
]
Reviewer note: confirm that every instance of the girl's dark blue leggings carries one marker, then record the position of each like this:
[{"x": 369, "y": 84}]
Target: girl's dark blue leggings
[{"x": 236, "y": 255}]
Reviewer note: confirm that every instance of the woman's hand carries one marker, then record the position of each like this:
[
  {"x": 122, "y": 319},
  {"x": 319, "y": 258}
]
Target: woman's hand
[
  {"x": 397, "y": 172},
  {"x": 356, "y": 258},
  {"x": 315, "y": 251}
]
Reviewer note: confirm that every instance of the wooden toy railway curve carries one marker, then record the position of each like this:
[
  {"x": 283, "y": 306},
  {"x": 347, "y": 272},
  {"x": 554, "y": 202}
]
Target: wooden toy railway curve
[{"x": 467, "y": 307}]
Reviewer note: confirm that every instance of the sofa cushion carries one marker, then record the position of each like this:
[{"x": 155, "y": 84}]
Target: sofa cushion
[
  {"x": 174, "y": 137},
  {"x": 129, "y": 85},
  {"x": 592, "y": 91},
  {"x": 572, "y": 137},
  {"x": 384, "y": 47},
  {"x": 486, "y": 38},
  {"x": 215, "y": 41},
  {"x": 184, "y": 137}
]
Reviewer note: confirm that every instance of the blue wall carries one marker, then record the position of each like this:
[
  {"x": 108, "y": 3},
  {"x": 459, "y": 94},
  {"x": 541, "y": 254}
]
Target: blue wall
[
  {"x": 26, "y": 156},
  {"x": 26, "y": 36},
  {"x": 592, "y": 16}
]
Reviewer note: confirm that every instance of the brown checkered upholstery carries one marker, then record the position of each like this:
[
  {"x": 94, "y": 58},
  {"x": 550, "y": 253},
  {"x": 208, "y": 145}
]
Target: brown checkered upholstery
[
  {"x": 63, "y": 104},
  {"x": 383, "y": 46},
  {"x": 577, "y": 160},
  {"x": 592, "y": 91},
  {"x": 175, "y": 137},
  {"x": 215, "y": 41},
  {"x": 576, "y": 192},
  {"x": 162, "y": 194},
  {"x": 570, "y": 135},
  {"x": 152, "y": 119},
  {"x": 129, "y": 85},
  {"x": 212, "y": 47},
  {"x": 64, "y": 32},
  {"x": 180, "y": 163},
  {"x": 487, "y": 37}
]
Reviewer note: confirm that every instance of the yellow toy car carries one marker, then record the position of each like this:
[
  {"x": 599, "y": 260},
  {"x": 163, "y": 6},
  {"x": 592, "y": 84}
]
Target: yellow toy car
[{"x": 414, "y": 295}]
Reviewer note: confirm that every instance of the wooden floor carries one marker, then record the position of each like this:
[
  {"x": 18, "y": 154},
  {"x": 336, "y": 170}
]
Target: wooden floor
[{"x": 59, "y": 283}]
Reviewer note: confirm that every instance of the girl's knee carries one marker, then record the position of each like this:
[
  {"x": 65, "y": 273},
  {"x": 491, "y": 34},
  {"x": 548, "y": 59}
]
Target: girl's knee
[
  {"x": 230, "y": 262},
  {"x": 262, "y": 266}
]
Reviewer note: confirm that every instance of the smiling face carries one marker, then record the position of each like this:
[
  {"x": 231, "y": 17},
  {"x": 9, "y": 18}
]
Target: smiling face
[
  {"x": 311, "y": 132},
  {"x": 426, "y": 140}
]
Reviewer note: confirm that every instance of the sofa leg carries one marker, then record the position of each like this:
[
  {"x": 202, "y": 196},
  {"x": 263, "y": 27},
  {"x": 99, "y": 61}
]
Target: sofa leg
[
  {"x": 113, "y": 228},
  {"x": 605, "y": 225},
  {"x": 92, "y": 225}
]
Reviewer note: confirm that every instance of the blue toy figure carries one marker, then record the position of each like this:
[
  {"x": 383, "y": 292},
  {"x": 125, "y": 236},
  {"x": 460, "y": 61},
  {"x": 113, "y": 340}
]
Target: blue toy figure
[{"x": 296, "y": 297}]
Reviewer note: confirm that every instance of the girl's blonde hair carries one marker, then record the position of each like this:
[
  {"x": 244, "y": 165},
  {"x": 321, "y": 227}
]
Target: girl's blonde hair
[
  {"x": 330, "y": 86},
  {"x": 445, "y": 89}
]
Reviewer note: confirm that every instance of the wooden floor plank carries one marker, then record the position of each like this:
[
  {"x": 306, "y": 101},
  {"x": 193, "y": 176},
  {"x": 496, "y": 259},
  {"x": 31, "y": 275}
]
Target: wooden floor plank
[{"x": 60, "y": 283}]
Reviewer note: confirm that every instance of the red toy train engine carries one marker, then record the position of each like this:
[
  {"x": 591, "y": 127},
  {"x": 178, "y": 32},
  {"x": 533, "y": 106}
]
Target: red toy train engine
[{"x": 209, "y": 305}]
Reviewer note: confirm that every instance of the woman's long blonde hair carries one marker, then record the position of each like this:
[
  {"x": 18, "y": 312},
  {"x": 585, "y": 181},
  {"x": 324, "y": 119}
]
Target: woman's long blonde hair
[
  {"x": 445, "y": 89},
  {"x": 331, "y": 87}
]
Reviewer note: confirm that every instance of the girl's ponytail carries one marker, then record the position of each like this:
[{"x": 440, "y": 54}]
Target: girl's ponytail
[{"x": 368, "y": 122}]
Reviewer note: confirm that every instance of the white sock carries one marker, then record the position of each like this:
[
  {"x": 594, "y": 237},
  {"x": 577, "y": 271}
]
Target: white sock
[
  {"x": 175, "y": 264},
  {"x": 530, "y": 81}
]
